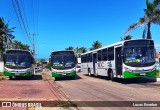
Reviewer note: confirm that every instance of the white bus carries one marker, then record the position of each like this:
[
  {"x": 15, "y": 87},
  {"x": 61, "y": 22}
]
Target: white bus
[
  {"x": 63, "y": 63},
  {"x": 18, "y": 63},
  {"x": 125, "y": 59}
]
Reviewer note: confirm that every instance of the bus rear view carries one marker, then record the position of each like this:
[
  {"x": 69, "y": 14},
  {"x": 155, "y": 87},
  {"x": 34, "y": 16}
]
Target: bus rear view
[{"x": 63, "y": 64}]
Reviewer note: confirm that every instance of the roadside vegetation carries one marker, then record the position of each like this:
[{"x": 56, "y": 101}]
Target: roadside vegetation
[
  {"x": 48, "y": 66},
  {"x": 6, "y": 38},
  {"x": 1, "y": 73},
  {"x": 158, "y": 74}
]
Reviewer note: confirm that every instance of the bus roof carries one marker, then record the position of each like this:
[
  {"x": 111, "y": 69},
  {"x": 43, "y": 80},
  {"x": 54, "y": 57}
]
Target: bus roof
[
  {"x": 62, "y": 50},
  {"x": 118, "y": 43}
]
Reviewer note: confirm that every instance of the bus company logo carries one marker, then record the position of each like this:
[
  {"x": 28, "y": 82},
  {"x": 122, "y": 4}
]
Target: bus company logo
[
  {"x": 6, "y": 104},
  {"x": 109, "y": 64}
]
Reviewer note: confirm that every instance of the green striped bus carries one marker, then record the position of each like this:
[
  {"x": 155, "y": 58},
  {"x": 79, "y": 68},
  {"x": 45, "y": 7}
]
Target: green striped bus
[
  {"x": 63, "y": 64},
  {"x": 18, "y": 63}
]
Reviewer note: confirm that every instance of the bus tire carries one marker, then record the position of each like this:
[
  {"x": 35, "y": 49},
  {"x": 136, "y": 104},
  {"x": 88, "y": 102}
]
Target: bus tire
[
  {"x": 112, "y": 76},
  {"x": 89, "y": 72},
  {"x": 30, "y": 77},
  {"x": 56, "y": 78},
  {"x": 73, "y": 77},
  {"x": 10, "y": 77}
]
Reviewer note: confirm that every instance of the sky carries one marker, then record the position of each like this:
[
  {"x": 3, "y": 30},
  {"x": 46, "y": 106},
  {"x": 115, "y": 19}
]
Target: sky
[{"x": 58, "y": 24}]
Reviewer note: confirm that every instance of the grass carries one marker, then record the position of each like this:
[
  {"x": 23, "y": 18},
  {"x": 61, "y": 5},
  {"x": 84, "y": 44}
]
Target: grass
[
  {"x": 158, "y": 74},
  {"x": 1, "y": 73},
  {"x": 2, "y": 78}
]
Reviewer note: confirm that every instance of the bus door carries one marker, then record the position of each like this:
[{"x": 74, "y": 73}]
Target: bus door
[
  {"x": 118, "y": 60},
  {"x": 94, "y": 62}
]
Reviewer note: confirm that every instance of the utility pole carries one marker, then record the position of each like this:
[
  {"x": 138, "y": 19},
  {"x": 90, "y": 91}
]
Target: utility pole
[{"x": 33, "y": 44}]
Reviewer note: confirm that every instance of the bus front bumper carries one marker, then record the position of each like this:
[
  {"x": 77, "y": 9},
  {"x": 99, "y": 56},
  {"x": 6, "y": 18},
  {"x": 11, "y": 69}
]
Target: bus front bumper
[
  {"x": 128, "y": 74},
  {"x": 25, "y": 74},
  {"x": 63, "y": 75}
]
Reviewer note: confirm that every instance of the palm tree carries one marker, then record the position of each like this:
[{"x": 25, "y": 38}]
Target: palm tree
[
  {"x": 96, "y": 45},
  {"x": 83, "y": 49},
  {"x": 152, "y": 15},
  {"x": 18, "y": 45},
  {"x": 128, "y": 37},
  {"x": 5, "y": 35},
  {"x": 69, "y": 48},
  {"x": 80, "y": 50}
]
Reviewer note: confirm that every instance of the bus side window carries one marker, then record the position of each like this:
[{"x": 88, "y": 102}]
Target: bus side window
[
  {"x": 110, "y": 53},
  {"x": 90, "y": 57},
  {"x": 104, "y": 55},
  {"x": 85, "y": 58},
  {"x": 99, "y": 55}
]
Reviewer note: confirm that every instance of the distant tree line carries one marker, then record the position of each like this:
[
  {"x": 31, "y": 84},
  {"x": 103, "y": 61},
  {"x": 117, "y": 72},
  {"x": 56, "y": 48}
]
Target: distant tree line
[
  {"x": 79, "y": 50},
  {"x": 95, "y": 45}
]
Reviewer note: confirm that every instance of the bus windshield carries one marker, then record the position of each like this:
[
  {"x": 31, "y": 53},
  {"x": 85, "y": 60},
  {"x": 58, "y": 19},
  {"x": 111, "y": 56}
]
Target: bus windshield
[
  {"x": 17, "y": 61},
  {"x": 63, "y": 61},
  {"x": 139, "y": 56}
]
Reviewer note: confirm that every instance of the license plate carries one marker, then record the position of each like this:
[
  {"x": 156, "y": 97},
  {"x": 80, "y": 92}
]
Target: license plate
[
  {"x": 142, "y": 74},
  {"x": 17, "y": 73},
  {"x": 63, "y": 73}
]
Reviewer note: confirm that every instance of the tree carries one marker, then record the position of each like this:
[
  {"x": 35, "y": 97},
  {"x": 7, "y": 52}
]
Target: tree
[
  {"x": 152, "y": 15},
  {"x": 83, "y": 49},
  {"x": 128, "y": 37},
  {"x": 96, "y": 45},
  {"x": 18, "y": 45},
  {"x": 5, "y": 35},
  {"x": 80, "y": 50},
  {"x": 69, "y": 48}
]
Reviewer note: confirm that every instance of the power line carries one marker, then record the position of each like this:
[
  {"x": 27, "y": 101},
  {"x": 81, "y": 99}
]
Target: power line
[
  {"x": 20, "y": 17},
  {"x": 20, "y": 13},
  {"x": 25, "y": 18},
  {"x": 33, "y": 15}
]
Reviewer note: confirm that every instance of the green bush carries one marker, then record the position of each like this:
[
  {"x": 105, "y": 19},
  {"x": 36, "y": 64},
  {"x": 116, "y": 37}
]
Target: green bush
[
  {"x": 48, "y": 66},
  {"x": 158, "y": 74},
  {"x": 1, "y": 73}
]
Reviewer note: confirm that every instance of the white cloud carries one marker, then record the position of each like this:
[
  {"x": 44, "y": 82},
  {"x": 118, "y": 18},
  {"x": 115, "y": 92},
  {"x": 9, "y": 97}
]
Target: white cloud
[{"x": 157, "y": 46}]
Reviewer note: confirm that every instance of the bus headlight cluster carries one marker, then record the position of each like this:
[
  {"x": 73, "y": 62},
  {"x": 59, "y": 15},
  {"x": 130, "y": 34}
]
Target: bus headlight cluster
[
  {"x": 5, "y": 69},
  {"x": 28, "y": 71},
  {"x": 127, "y": 69},
  {"x": 74, "y": 70}
]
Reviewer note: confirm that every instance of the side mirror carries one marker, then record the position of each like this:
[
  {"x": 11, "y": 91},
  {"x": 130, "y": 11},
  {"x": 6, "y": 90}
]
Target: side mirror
[
  {"x": 76, "y": 60},
  {"x": 122, "y": 56}
]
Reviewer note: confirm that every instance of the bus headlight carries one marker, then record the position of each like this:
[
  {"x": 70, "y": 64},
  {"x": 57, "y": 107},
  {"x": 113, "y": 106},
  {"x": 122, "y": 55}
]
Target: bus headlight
[
  {"x": 127, "y": 69},
  {"x": 74, "y": 70},
  {"x": 5, "y": 69}
]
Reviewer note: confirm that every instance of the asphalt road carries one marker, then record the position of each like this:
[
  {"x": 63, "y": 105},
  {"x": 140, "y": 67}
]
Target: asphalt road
[{"x": 92, "y": 89}]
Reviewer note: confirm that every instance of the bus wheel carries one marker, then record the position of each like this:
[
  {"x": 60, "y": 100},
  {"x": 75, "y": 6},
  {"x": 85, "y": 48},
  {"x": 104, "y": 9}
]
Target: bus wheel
[
  {"x": 73, "y": 77},
  {"x": 112, "y": 76},
  {"x": 29, "y": 77},
  {"x": 10, "y": 77},
  {"x": 89, "y": 72},
  {"x": 56, "y": 78}
]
